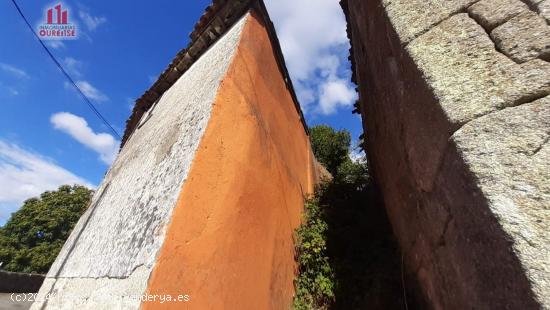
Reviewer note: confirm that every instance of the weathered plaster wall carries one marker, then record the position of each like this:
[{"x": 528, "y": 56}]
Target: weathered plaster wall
[
  {"x": 230, "y": 242},
  {"x": 455, "y": 106},
  {"x": 114, "y": 246}
]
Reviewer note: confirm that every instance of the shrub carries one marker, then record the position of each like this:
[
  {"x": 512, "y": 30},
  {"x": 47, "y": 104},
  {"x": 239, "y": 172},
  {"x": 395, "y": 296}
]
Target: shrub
[{"x": 315, "y": 281}]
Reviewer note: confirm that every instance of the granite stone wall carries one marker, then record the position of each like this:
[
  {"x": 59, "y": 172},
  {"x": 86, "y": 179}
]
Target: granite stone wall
[{"x": 455, "y": 102}]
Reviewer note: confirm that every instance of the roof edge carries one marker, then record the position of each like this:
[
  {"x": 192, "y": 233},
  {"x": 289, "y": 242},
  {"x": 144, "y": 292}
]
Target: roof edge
[
  {"x": 345, "y": 8},
  {"x": 218, "y": 18}
]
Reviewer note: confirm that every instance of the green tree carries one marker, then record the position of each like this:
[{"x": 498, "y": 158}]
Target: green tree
[
  {"x": 331, "y": 147},
  {"x": 34, "y": 235},
  {"x": 353, "y": 173},
  {"x": 346, "y": 255},
  {"x": 318, "y": 279}
]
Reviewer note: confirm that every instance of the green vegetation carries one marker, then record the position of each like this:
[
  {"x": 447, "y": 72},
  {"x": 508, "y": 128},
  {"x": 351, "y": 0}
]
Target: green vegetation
[
  {"x": 34, "y": 235},
  {"x": 347, "y": 258},
  {"x": 315, "y": 283},
  {"x": 331, "y": 148}
]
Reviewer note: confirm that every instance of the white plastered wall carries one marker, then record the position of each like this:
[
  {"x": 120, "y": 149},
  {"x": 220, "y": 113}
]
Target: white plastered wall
[{"x": 107, "y": 260}]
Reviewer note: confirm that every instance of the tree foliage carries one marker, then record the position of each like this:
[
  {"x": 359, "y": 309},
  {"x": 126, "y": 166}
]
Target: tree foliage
[
  {"x": 316, "y": 282},
  {"x": 34, "y": 235},
  {"x": 331, "y": 147},
  {"x": 347, "y": 257}
]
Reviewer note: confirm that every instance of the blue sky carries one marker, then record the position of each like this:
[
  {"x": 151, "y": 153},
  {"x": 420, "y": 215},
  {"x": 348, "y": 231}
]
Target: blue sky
[{"x": 49, "y": 137}]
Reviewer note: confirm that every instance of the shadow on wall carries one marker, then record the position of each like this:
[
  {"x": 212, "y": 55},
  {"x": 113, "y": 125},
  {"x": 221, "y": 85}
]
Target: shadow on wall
[{"x": 363, "y": 252}]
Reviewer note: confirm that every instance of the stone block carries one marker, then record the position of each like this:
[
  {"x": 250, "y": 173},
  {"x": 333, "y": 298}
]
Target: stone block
[
  {"x": 524, "y": 37},
  {"x": 471, "y": 78},
  {"x": 411, "y": 18},
  {"x": 509, "y": 152},
  {"x": 533, "y": 3},
  {"x": 493, "y": 13},
  {"x": 544, "y": 9}
]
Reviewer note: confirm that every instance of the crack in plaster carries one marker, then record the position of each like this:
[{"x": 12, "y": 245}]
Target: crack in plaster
[{"x": 104, "y": 277}]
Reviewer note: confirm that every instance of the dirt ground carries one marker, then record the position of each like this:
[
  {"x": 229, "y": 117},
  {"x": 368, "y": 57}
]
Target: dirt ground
[{"x": 7, "y": 304}]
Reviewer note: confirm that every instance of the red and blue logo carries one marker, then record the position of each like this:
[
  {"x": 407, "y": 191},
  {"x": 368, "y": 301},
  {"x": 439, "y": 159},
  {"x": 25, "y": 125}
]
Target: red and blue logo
[{"x": 57, "y": 25}]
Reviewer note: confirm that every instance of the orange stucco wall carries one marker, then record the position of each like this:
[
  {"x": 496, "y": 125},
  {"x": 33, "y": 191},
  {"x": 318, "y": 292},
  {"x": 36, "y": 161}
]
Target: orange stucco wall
[{"x": 230, "y": 242}]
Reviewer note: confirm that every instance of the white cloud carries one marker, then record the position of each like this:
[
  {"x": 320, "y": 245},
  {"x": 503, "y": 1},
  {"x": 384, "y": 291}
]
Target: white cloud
[
  {"x": 314, "y": 42},
  {"x": 5, "y": 89},
  {"x": 306, "y": 94},
  {"x": 18, "y": 73},
  {"x": 90, "y": 91},
  {"x": 73, "y": 66},
  {"x": 335, "y": 93},
  {"x": 358, "y": 155},
  {"x": 25, "y": 174},
  {"x": 91, "y": 22},
  {"x": 5, "y": 211},
  {"x": 55, "y": 44},
  {"x": 102, "y": 143}
]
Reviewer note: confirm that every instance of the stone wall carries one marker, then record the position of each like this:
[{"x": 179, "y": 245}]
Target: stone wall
[
  {"x": 456, "y": 110},
  {"x": 15, "y": 282}
]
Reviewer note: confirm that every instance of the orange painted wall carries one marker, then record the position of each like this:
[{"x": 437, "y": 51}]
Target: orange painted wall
[{"x": 230, "y": 242}]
